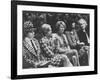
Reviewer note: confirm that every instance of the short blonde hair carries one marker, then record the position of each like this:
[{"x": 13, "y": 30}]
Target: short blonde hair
[
  {"x": 82, "y": 21},
  {"x": 60, "y": 23},
  {"x": 45, "y": 28}
]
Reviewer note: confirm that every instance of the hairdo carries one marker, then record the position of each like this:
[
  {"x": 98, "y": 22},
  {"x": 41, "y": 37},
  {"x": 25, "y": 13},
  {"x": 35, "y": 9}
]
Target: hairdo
[
  {"x": 28, "y": 27},
  {"x": 45, "y": 28},
  {"x": 82, "y": 20},
  {"x": 60, "y": 23}
]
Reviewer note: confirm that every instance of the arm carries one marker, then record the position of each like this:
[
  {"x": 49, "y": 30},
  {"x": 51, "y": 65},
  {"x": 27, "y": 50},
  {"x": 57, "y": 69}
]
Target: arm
[
  {"x": 77, "y": 39},
  {"x": 69, "y": 39},
  {"x": 66, "y": 42},
  {"x": 46, "y": 48},
  {"x": 60, "y": 49}
]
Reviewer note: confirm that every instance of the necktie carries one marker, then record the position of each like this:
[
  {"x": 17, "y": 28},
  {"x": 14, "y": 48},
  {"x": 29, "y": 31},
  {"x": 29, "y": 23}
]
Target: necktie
[{"x": 34, "y": 46}]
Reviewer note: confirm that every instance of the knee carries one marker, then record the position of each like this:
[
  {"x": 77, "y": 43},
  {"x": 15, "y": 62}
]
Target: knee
[
  {"x": 84, "y": 51},
  {"x": 64, "y": 57},
  {"x": 74, "y": 60},
  {"x": 75, "y": 51}
]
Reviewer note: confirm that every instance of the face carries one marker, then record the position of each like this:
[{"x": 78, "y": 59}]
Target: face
[
  {"x": 83, "y": 24},
  {"x": 61, "y": 29},
  {"x": 49, "y": 32},
  {"x": 31, "y": 34},
  {"x": 73, "y": 25}
]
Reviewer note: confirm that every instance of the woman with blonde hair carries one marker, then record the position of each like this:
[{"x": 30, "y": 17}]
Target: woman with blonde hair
[{"x": 62, "y": 45}]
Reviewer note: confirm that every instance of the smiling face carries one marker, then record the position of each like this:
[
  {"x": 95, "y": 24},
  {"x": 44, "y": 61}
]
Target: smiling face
[
  {"x": 61, "y": 29},
  {"x": 83, "y": 24},
  {"x": 60, "y": 26}
]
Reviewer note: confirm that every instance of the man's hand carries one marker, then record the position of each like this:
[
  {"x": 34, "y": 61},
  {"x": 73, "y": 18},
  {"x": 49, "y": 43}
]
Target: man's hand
[{"x": 81, "y": 43}]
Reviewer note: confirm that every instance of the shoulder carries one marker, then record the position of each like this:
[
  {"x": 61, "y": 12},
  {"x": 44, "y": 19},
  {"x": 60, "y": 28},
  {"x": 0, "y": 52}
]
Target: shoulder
[
  {"x": 67, "y": 32},
  {"x": 64, "y": 35},
  {"x": 79, "y": 32},
  {"x": 54, "y": 35},
  {"x": 34, "y": 39},
  {"x": 26, "y": 39}
]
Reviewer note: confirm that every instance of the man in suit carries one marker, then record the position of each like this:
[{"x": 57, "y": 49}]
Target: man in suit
[
  {"x": 83, "y": 36},
  {"x": 76, "y": 42}
]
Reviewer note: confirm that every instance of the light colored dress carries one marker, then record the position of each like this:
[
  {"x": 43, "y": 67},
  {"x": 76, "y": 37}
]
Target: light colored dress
[{"x": 63, "y": 47}]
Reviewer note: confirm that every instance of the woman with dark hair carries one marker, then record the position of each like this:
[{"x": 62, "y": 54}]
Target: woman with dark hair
[{"x": 62, "y": 44}]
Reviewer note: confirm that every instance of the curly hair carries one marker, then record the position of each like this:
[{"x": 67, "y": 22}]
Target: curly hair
[
  {"x": 45, "y": 28},
  {"x": 60, "y": 23}
]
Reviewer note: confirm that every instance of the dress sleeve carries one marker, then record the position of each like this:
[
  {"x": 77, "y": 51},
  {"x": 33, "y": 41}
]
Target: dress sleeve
[
  {"x": 68, "y": 36},
  {"x": 45, "y": 47},
  {"x": 76, "y": 36},
  {"x": 58, "y": 48},
  {"x": 66, "y": 42}
]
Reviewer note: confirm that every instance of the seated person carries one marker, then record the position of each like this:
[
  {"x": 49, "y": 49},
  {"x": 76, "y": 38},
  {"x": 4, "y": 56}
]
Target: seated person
[
  {"x": 75, "y": 43},
  {"x": 31, "y": 48},
  {"x": 83, "y": 37},
  {"x": 62, "y": 45},
  {"x": 73, "y": 39},
  {"x": 82, "y": 34},
  {"x": 48, "y": 47}
]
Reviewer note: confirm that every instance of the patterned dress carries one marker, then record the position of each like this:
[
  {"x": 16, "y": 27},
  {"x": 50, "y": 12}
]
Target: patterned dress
[{"x": 50, "y": 53}]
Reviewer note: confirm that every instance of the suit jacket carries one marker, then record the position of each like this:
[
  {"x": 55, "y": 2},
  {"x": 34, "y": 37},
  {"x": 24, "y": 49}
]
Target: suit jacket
[
  {"x": 72, "y": 38},
  {"x": 83, "y": 37},
  {"x": 30, "y": 54}
]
